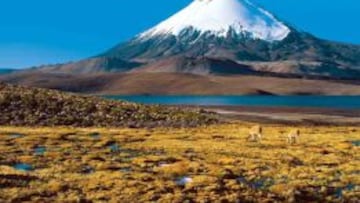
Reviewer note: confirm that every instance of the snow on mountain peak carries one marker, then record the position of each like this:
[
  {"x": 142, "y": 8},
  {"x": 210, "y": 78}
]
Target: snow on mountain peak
[{"x": 219, "y": 17}]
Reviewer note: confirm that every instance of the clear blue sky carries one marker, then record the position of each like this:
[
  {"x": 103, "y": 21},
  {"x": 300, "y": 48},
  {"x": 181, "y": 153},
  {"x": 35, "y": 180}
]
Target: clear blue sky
[{"x": 34, "y": 32}]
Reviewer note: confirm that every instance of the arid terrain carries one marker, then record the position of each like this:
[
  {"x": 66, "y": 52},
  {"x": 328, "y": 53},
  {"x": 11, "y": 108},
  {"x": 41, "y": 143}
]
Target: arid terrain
[
  {"x": 204, "y": 164},
  {"x": 180, "y": 83},
  {"x": 290, "y": 115}
]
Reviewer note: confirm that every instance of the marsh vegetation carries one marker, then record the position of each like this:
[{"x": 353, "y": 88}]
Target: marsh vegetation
[{"x": 202, "y": 164}]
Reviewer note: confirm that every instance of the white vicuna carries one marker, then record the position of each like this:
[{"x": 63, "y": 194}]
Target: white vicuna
[
  {"x": 219, "y": 17},
  {"x": 255, "y": 134},
  {"x": 293, "y": 136}
]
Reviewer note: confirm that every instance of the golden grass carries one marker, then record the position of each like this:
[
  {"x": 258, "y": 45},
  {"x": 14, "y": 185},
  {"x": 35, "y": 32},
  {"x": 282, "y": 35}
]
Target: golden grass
[{"x": 141, "y": 165}]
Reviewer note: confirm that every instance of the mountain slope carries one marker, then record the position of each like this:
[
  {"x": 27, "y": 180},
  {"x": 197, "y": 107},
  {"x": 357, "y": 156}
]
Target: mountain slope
[
  {"x": 92, "y": 65},
  {"x": 296, "y": 47},
  {"x": 224, "y": 37},
  {"x": 199, "y": 65}
]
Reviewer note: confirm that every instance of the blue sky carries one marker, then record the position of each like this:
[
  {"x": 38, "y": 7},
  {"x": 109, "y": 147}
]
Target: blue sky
[{"x": 34, "y": 32}]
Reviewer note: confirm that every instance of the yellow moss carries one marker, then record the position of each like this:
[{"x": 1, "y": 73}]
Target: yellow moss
[
  {"x": 221, "y": 163},
  {"x": 176, "y": 169}
]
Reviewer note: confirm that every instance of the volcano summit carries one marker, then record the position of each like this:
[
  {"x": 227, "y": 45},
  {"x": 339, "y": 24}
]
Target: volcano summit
[{"x": 220, "y": 18}]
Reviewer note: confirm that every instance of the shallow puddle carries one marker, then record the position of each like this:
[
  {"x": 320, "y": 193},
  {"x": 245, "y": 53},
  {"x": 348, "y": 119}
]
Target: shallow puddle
[
  {"x": 262, "y": 183},
  {"x": 39, "y": 150},
  {"x": 114, "y": 147},
  {"x": 95, "y": 135},
  {"x": 23, "y": 167},
  {"x": 340, "y": 191},
  {"x": 356, "y": 143},
  {"x": 182, "y": 181}
]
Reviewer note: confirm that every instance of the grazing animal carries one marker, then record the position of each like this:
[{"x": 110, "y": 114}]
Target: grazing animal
[
  {"x": 293, "y": 136},
  {"x": 255, "y": 134}
]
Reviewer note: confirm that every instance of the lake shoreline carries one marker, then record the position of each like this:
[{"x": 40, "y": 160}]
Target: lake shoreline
[
  {"x": 289, "y": 115},
  {"x": 292, "y": 110}
]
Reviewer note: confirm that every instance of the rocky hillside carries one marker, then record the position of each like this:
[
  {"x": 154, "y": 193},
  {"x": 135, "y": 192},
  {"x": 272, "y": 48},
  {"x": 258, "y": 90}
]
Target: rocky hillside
[
  {"x": 310, "y": 56},
  {"x": 40, "y": 107},
  {"x": 89, "y": 66}
]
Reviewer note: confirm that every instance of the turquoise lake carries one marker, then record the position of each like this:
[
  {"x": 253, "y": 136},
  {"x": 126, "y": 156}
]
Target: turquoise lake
[{"x": 346, "y": 102}]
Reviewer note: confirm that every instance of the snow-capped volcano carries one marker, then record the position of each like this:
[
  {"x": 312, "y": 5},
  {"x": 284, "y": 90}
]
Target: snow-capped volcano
[
  {"x": 211, "y": 37},
  {"x": 219, "y": 17},
  {"x": 231, "y": 29}
]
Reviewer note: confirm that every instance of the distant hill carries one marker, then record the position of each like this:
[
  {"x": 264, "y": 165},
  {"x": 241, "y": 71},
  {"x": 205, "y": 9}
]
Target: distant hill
[
  {"x": 182, "y": 83},
  {"x": 21, "y": 106}
]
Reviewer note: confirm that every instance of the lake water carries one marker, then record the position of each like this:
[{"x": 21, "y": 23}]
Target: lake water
[
  {"x": 23, "y": 167},
  {"x": 348, "y": 102}
]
